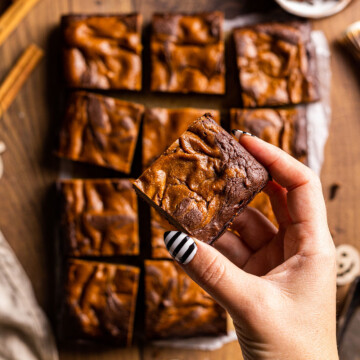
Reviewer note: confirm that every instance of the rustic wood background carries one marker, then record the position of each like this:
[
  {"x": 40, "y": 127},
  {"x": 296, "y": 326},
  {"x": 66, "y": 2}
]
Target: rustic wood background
[{"x": 30, "y": 125}]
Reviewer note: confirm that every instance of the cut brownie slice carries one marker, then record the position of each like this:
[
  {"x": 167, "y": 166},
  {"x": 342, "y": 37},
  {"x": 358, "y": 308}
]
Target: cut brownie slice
[
  {"x": 99, "y": 302},
  {"x": 277, "y": 64},
  {"x": 100, "y": 130},
  {"x": 163, "y": 126},
  {"x": 102, "y": 51},
  {"x": 176, "y": 306},
  {"x": 99, "y": 217},
  {"x": 202, "y": 181},
  {"x": 187, "y": 53},
  {"x": 285, "y": 128},
  {"x": 159, "y": 225}
]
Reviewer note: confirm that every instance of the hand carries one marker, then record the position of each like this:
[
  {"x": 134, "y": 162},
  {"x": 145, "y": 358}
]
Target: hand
[{"x": 278, "y": 285}]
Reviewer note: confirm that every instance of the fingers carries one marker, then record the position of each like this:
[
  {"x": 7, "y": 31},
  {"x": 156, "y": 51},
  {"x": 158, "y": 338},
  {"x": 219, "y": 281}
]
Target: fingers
[
  {"x": 232, "y": 247},
  {"x": 226, "y": 283},
  {"x": 267, "y": 258},
  {"x": 254, "y": 228},
  {"x": 304, "y": 198},
  {"x": 278, "y": 199}
]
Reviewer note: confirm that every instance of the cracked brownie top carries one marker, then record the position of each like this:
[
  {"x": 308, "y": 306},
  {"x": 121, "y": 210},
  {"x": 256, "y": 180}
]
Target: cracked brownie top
[
  {"x": 161, "y": 127},
  {"x": 100, "y": 130},
  {"x": 176, "y": 306},
  {"x": 277, "y": 64},
  {"x": 99, "y": 217},
  {"x": 100, "y": 301},
  {"x": 102, "y": 51},
  {"x": 187, "y": 53},
  {"x": 202, "y": 180}
]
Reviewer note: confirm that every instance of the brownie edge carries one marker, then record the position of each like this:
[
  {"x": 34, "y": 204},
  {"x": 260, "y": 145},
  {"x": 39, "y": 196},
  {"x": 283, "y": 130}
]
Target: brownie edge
[{"x": 202, "y": 181}]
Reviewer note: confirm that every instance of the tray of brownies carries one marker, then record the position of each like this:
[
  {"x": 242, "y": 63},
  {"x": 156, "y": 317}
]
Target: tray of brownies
[{"x": 118, "y": 283}]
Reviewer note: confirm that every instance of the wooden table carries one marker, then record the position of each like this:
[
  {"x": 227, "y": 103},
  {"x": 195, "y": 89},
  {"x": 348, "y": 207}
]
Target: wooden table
[{"x": 29, "y": 130}]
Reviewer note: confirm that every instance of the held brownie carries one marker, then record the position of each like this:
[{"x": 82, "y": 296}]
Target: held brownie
[
  {"x": 187, "y": 53},
  {"x": 99, "y": 217},
  {"x": 102, "y": 51},
  {"x": 202, "y": 181},
  {"x": 162, "y": 127},
  {"x": 100, "y": 130},
  {"x": 176, "y": 306},
  {"x": 277, "y": 64},
  {"x": 99, "y": 302}
]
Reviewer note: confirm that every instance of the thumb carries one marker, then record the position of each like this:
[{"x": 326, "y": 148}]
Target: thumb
[{"x": 230, "y": 286}]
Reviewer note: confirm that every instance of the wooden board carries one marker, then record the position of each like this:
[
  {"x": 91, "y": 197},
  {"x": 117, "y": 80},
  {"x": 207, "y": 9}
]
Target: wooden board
[{"x": 30, "y": 125}]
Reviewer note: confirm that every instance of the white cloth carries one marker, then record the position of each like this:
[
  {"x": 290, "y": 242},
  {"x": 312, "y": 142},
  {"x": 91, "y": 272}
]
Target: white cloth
[{"x": 25, "y": 333}]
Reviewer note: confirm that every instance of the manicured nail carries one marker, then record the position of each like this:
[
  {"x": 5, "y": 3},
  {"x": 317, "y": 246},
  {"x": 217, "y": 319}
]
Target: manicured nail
[
  {"x": 238, "y": 133},
  {"x": 180, "y": 246}
]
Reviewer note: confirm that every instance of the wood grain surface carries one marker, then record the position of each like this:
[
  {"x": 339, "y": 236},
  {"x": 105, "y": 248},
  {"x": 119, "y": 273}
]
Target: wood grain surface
[{"x": 30, "y": 125}]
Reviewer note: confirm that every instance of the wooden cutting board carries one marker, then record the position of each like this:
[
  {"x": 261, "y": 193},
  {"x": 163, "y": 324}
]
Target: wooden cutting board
[{"x": 30, "y": 126}]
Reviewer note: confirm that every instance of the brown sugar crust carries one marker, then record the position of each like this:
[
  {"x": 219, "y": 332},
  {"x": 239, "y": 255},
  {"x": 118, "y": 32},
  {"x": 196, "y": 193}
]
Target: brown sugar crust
[
  {"x": 187, "y": 53},
  {"x": 277, "y": 64},
  {"x": 102, "y": 51},
  {"x": 202, "y": 181},
  {"x": 100, "y": 130},
  {"x": 100, "y": 301},
  {"x": 162, "y": 127},
  {"x": 99, "y": 217},
  {"x": 176, "y": 306}
]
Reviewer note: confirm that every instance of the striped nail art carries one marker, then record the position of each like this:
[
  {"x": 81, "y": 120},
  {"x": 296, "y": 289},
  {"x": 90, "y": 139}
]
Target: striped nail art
[
  {"x": 180, "y": 246},
  {"x": 238, "y": 133}
]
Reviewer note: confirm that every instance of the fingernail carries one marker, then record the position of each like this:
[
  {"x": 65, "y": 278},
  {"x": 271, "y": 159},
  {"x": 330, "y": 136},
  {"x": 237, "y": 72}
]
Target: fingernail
[
  {"x": 238, "y": 133},
  {"x": 180, "y": 246}
]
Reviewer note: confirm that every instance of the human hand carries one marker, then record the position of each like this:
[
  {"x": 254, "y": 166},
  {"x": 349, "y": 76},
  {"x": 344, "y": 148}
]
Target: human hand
[{"x": 278, "y": 285}]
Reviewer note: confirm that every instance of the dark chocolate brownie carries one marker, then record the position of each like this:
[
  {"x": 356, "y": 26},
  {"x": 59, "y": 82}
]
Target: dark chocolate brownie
[
  {"x": 187, "y": 53},
  {"x": 99, "y": 302},
  {"x": 100, "y": 130},
  {"x": 99, "y": 217},
  {"x": 163, "y": 126},
  {"x": 202, "y": 181},
  {"x": 277, "y": 64},
  {"x": 176, "y": 307},
  {"x": 102, "y": 51}
]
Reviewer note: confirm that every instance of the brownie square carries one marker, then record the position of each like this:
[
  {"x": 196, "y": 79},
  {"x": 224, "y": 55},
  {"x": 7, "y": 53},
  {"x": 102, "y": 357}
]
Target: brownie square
[
  {"x": 202, "y": 181},
  {"x": 102, "y": 51},
  {"x": 187, "y": 53},
  {"x": 159, "y": 225},
  {"x": 99, "y": 217},
  {"x": 176, "y": 306},
  {"x": 99, "y": 302},
  {"x": 285, "y": 128},
  {"x": 162, "y": 127},
  {"x": 100, "y": 130},
  {"x": 277, "y": 64}
]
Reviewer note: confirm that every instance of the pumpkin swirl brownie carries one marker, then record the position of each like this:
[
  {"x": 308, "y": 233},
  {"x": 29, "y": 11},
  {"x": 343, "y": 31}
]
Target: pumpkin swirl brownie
[
  {"x": 277, "y": 64},
  {"x": 202, "y": 181}
]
